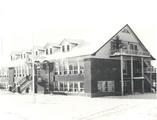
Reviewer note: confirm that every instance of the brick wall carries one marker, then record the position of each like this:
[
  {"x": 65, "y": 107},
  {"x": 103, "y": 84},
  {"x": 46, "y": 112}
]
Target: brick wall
[
  {"x": 77, "y": 77},
  {"x": 101, "y": 70}
]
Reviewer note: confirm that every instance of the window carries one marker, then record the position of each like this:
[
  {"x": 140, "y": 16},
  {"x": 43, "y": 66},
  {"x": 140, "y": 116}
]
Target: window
[
  {"x": 47, "y": 51},
  {"x": 65, "y": 86},
  {"x": 36, "y": 52},
  {"x": 50, "y": 50},
  {"x": 63, "y": 49},
  {"x": 65, "y": 70},
  {"x": 75, "y": 86},
  {"x": 68, "y": 47},
  {"x": 11, "y": 57},
  {"x": 24, "y": 56},
  {"x": 135, "y": 47},
  {"x": 81, "y": 86},
  {"x": 73, "y": 67},
  {"x": 70, "y": 87},
  {"x": 125, "y": 67},
  {"x": 61, "y": 86},
  {"x": 81, "y": 67},
  {"x": 70, "y": 69},
  {"x": 57, "y": 68},
  {"x": 131, "y": 46},
  {"x": 110, "y": 86},
  {"x": 113, "y": 45},
  {"x": 56, "y": 86},
  {"x": 105, "y": 86}
]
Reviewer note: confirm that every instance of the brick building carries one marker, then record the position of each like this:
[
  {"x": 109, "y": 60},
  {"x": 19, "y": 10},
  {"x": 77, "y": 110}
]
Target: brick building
[{"x": 120, "y": 66}]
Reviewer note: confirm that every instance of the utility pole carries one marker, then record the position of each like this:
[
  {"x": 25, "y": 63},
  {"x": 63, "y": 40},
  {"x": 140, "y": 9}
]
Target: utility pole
[{"x": 33, "y": 71}]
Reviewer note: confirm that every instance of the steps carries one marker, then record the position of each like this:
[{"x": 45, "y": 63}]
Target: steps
[
  {"x": 25, "y": 86},
  {"x": 22, "y": 84},
  {"x": 152, "y": 87}
]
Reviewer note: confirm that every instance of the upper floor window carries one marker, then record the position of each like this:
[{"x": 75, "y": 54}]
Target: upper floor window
[
  {"x": 24, "y": 56},
  {"x": 68, "y": 47},
  {"x": 133, "y": 47},
  {"x": 47, "y": 52},
  {"x": 50, "y": 50},
  {"x": 63, "y": 49},
  {"x": 36, "y": 52},
  {"x": 11, "y": 57},
  {"x": 125, "y": 67}
]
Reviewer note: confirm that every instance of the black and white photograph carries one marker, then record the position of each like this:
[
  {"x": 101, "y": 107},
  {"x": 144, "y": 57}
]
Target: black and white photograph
[{"x": 78, "y": 60}]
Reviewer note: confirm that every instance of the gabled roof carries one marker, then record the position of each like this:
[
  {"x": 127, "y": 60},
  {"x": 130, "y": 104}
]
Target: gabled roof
[
  {"x": 117, "y": 33},
  {"x": 73, "y": 41},
  {"x": 52, "y": 44},
  {"x": 91, "y": 47},
  {"x": 141, "y": 42}
]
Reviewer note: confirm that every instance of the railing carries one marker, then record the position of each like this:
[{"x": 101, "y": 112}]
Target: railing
[
  {"x": 21, "y": 81},
  {"x": 153, "y": 87},
  {"x": 128, "y": 52},
  {"x": 23, "y": 87},
  {"x": 149, "y": 70},
  {"x": 148, "y": 80}
]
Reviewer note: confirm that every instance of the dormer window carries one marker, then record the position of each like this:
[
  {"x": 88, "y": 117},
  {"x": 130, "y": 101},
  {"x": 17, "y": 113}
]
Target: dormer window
[
  {"x": 11, "y": 57},
  {"x": 63, "y": 49},
  {"x": 50, "y": 50},
  {"x": 68, "y": 48},
  {"x": 47, "y": 52},
  {"x": 24, "y": 56},
  {"x": 36, "y": 52}
]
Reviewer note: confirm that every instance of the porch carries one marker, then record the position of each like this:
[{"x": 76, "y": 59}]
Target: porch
[{"x": 137, "y": 73}]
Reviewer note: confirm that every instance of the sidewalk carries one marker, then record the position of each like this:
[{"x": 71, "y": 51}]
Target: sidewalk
[{"x": 58, "y": 107}]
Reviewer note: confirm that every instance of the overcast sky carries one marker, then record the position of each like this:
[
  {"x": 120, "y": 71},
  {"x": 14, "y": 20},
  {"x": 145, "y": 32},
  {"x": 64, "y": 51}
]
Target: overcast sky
[{"x": 75, "y": 19}]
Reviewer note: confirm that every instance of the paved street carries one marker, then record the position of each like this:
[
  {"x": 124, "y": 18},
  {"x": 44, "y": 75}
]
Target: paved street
[{"x": 48, "y": 107}]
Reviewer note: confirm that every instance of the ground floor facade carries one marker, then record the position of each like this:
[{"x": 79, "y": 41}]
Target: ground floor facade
[{"x": 89, "y": 77}]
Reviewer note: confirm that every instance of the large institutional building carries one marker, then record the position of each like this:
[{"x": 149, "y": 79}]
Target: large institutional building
[{"x": 120, "y": 66}]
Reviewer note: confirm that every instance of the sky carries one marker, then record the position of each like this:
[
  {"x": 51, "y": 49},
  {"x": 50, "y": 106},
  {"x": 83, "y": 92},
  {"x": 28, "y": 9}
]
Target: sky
[{"x": 27, "y": 22}]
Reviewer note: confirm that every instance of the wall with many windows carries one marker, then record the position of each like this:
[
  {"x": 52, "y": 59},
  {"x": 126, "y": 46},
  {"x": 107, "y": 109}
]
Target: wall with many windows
[
  {"x": 69, "y": 66},
  {"x": 69, "y": 86}
]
